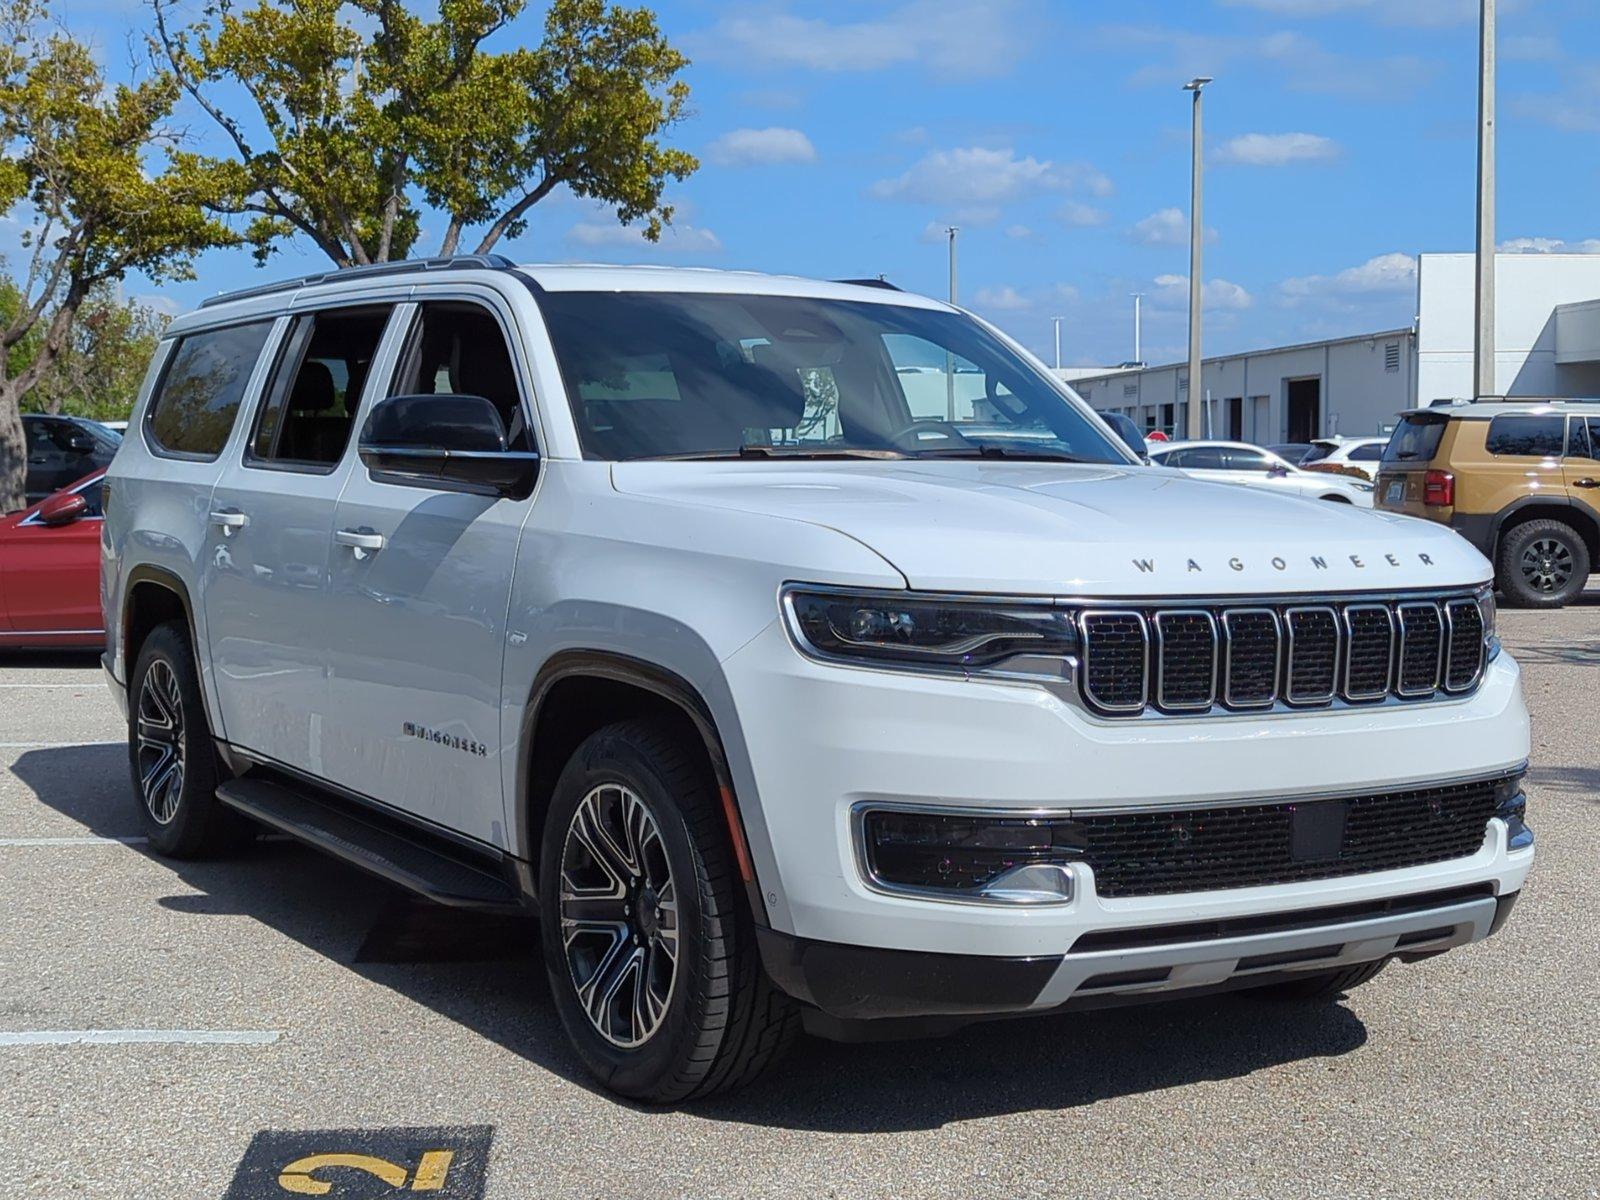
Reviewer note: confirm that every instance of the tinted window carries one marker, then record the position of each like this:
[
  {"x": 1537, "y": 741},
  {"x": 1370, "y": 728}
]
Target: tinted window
[
  {"x": 194, "y": 408},
  {"x": 1415, "y": 440},
  {"x": 1371, "y": 452},
  {"x": 1318, "y": 452},
  {"x": 1246, "y": 460},
  {"x": 1528, "y": 436},
  {"x": 663, "y": 374},
  {"x": 1585, "y": 438},
  {"x": 312, "y": 405},
  {"x": 91, "y": 496}
]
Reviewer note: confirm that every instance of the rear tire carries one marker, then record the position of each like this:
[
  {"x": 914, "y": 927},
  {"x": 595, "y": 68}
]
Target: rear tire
[
  {"x": 171, "y": 756},
  {"x": 666, "y": 999},
  {"x": 1323, "y": 985},
  {"x": 1542, "y": 564}
]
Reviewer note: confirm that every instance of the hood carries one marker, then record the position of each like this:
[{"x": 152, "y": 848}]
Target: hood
[{"x": 1048, "y": 529}]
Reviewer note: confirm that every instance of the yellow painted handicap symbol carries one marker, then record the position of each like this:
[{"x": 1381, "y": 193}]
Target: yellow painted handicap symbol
[
  {"x": 432, "y": 1169},
  {"x": 439, "y": 1163}
]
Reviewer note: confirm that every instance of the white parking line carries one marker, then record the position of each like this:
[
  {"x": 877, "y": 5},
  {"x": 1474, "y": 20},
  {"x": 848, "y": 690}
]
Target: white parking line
[
  {"x": 73, "y": 841},
  {"x": 146, "y": 1037},
  {"x": 86, "y": 684},
  {"x": 55, "y": 745}
]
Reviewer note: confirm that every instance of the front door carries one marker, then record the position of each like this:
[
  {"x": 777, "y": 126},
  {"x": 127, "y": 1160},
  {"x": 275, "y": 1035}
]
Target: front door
[
  {"x": 264, "y": 583},
  {"x": 1581, "y": 467},
  {"x": 50, "y": 574},
  {"x": 420, "y": 584}
]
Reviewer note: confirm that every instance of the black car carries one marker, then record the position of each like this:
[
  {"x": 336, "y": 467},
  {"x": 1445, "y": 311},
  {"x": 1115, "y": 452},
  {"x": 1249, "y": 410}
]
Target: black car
[{"x": 62, "y": 450}]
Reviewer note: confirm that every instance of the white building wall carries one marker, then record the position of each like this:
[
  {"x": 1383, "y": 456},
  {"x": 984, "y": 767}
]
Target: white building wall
[{"x": 1528, "y": 290}]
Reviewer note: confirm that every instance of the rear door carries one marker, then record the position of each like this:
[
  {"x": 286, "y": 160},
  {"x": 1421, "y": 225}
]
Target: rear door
[
  {"x": 420, "y": 586},
  {"x": 264, "y": 578},
  {"x": 1581, "y": 468}
]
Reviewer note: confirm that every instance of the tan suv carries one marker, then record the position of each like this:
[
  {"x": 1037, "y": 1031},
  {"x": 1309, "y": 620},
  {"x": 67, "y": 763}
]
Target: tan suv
[{"x": 1519, "y": 480}]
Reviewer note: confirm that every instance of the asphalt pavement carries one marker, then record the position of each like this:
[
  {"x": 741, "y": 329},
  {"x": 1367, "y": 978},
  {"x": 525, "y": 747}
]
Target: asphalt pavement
[{"x": 163, "y": 1023}]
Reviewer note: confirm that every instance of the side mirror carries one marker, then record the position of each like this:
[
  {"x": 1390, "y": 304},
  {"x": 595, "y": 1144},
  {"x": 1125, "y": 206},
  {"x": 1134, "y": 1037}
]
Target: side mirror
[
  {"x": 63, "y": 509},
  {"x": 446, "y": 440},
  {"x": 1128, "y": 433},
  {"x": 80, "y": 443},
  {"x": 1277, "y": 470}
]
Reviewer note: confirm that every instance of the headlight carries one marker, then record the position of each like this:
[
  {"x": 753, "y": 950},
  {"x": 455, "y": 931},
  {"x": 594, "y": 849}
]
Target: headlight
[
  {"x": 897, "y": 628},
  {"x": 1486, "y": 605}
]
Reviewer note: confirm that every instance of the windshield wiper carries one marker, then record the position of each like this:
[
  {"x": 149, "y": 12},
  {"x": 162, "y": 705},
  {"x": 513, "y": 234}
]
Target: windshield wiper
[{"x": 750, "y": 452}]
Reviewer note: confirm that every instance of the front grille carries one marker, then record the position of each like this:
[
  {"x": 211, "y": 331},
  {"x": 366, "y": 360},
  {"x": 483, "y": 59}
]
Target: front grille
[
  {"x": 1197, "y": 850},
  {"x": 1257, "y": 655}
]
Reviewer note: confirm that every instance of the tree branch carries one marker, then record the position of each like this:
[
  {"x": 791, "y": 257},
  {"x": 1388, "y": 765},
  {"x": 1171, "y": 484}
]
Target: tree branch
[{"x": 514, "y": 214}]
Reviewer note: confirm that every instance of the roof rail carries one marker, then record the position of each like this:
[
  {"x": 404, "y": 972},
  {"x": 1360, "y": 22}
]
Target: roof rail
[
  {"x": 449, "y": 262},
  {"x": 876, "y": 282}
]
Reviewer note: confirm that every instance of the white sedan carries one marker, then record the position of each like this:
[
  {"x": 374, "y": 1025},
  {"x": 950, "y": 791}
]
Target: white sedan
[
  {"x": 1239, "y": 462},
  {"x": 1343, "y": 455}
]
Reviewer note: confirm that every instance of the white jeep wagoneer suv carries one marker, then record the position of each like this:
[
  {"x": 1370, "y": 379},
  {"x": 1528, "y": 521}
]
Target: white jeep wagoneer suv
[{"x": 802, "y": 653}]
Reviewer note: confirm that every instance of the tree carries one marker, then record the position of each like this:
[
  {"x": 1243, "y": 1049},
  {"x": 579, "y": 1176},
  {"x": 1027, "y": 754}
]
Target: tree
[
  {"x": 365, "y": 111},
  {"x": 79, "y": 168},
  {"x": 99, "y": 371}
]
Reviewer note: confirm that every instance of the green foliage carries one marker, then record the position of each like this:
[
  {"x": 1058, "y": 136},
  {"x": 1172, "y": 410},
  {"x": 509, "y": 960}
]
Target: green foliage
[
  {"x": 368, "y": 110},
  {"x": 99, "y": 370}
]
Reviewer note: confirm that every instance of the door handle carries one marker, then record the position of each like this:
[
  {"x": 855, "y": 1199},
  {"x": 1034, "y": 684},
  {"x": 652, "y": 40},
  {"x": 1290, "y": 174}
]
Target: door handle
[
  {"x": 229, "y": 520},
  {"x": 363, "y": 541},
  {"x": 1586, "y": 483}
]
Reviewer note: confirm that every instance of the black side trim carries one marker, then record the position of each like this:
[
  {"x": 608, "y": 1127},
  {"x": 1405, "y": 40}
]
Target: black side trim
[
  {"x": 856, "y": 983},
  {"x": 620, "y": 668},
  {"x": 440, "y": 871},
  {"x": 145, "y": 573},
  {"x": 1502, "y": 911}
]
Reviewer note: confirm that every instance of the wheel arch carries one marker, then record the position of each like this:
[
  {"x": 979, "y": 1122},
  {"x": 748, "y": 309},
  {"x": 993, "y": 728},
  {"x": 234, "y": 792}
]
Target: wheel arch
[
  {"x": 579, "y": 691},
  {"x": 1537, "y": 508},
  {"x": 151, "y": 596}
]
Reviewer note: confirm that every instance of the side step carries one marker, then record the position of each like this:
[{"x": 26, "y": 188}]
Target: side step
[{"x": 383, "y": 848}]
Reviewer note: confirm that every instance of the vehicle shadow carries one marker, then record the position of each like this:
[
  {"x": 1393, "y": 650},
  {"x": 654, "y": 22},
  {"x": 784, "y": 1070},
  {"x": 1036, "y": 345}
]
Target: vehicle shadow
[
  {"x": 1581, "y": 782},
  {"x": 23, "y": 656},
  {"x": 483, "y": 973}
]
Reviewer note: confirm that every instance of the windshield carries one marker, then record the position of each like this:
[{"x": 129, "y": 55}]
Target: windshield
[
  {"x": 1416, "y": 439},
  {"x": 670, "y": 375}
]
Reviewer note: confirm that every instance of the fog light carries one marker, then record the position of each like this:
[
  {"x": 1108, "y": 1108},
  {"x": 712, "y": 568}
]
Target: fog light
[{"x": 1015, "y": 860}]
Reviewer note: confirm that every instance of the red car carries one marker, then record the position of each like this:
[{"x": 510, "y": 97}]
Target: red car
[{"x": 50, "y": 571}]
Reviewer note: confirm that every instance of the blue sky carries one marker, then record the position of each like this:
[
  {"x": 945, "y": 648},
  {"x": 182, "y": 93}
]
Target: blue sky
[{"x": 838, "y": 138}]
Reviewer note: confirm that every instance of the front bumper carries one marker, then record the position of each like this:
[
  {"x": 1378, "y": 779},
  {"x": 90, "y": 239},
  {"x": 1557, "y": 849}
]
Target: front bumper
[
  {"x": 821, "y": 739},
  {"x": 118, "y": 689},
  {"x": 858, "y": 983}
]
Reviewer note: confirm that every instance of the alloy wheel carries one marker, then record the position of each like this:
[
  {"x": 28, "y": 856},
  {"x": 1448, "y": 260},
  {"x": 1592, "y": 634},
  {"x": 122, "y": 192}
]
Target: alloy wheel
[
  {"x": 619, "y": 915},
  {"x": 160, "y": 733},
  {"x": 1547, "y": 564}
]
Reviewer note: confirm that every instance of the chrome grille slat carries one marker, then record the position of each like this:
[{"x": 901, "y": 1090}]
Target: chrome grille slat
[{"x": 1216, "y": 656}]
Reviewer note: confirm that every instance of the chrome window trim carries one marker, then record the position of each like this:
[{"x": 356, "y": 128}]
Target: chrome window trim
[
  {"x": 1319, "y": 699},
  {"x": 1277, "y": 658},
  {"x": 1083, "y": 651},
  {"x": 1349, "y": 638},
  {"x": 1483, "y": 648},
  {"x": 1440, "y": 659},
  {"x": 1156, "y": 620}
]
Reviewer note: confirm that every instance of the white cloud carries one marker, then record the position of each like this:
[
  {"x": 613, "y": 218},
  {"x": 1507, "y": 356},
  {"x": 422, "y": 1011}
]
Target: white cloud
[
  {"x": 1020, "y": 233},
  {"x": 761, "y": 147},
  {"x": 1165, "y": 227},
  {"x": 974, "y": 182},
  {"x": 1385, "y": 273},
  {"x": 1530, "y": 48},
  {"x": 1172, "y": 291},
  {"x": 1001, "y": 299},
  {"x": 1276, "y": 149},
  {"x": 679, "y": 238},
  {"x": 1076, "y": 215},
  {"x": 1575, "y": 108},
  {"x": 963, "y": 38},
  {"x": 1544, "y": 245}
]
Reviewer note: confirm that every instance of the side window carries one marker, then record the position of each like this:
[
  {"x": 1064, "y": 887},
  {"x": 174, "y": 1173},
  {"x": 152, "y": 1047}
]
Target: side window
[
  {"x": 1371, "y": 452},
  {"x": 461, "y": 348},
  {"x": 1178, "y": 458},
  {"x": 1204, "y": 458},
  {"x": 91, "y": 496},
  {"x": 1580, "y": 437},
  {"x": 311, "y": 407},
  {"x": 1593, "y": 438},
  {"x": 198, "y": 399},
  {"x": 1528, "y": 437},
  {"x": 1246, "y": 460}
]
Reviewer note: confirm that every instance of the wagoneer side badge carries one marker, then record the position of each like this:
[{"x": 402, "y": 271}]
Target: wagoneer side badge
[{"x": 1147, "y": 566}]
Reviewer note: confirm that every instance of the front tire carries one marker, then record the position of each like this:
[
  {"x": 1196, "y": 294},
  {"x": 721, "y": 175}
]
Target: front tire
[
  {"x": 1542, "y": 564},
  {"x": 648, "y": 946},
  {"x": 170, "y": 754}
]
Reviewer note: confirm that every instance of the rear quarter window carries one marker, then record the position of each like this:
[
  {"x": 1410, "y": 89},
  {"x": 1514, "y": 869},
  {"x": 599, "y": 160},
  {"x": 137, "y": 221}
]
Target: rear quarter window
[
  {"x": 1415, "y": 441},
  {"x": 198, "y": 399},
  {"x": 1528, "y": 437}
]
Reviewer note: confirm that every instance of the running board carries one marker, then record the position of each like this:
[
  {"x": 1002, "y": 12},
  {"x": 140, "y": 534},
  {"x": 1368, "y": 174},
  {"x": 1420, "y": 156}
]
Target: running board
[{"x": 388, "y": 850}]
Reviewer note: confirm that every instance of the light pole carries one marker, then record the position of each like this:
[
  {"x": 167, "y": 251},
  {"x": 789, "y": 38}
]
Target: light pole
[
  {"x": 1056, "y": 321},
  {"x": 1483, "y": 348},
  {"x": 1137, "y": 297},
  {"x": 949, "y": 359},
  {"x": 1192, "y": 412}
]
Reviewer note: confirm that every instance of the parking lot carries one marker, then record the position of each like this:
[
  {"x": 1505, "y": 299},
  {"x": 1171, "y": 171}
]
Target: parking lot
[{"x": 287, "y": 992}]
